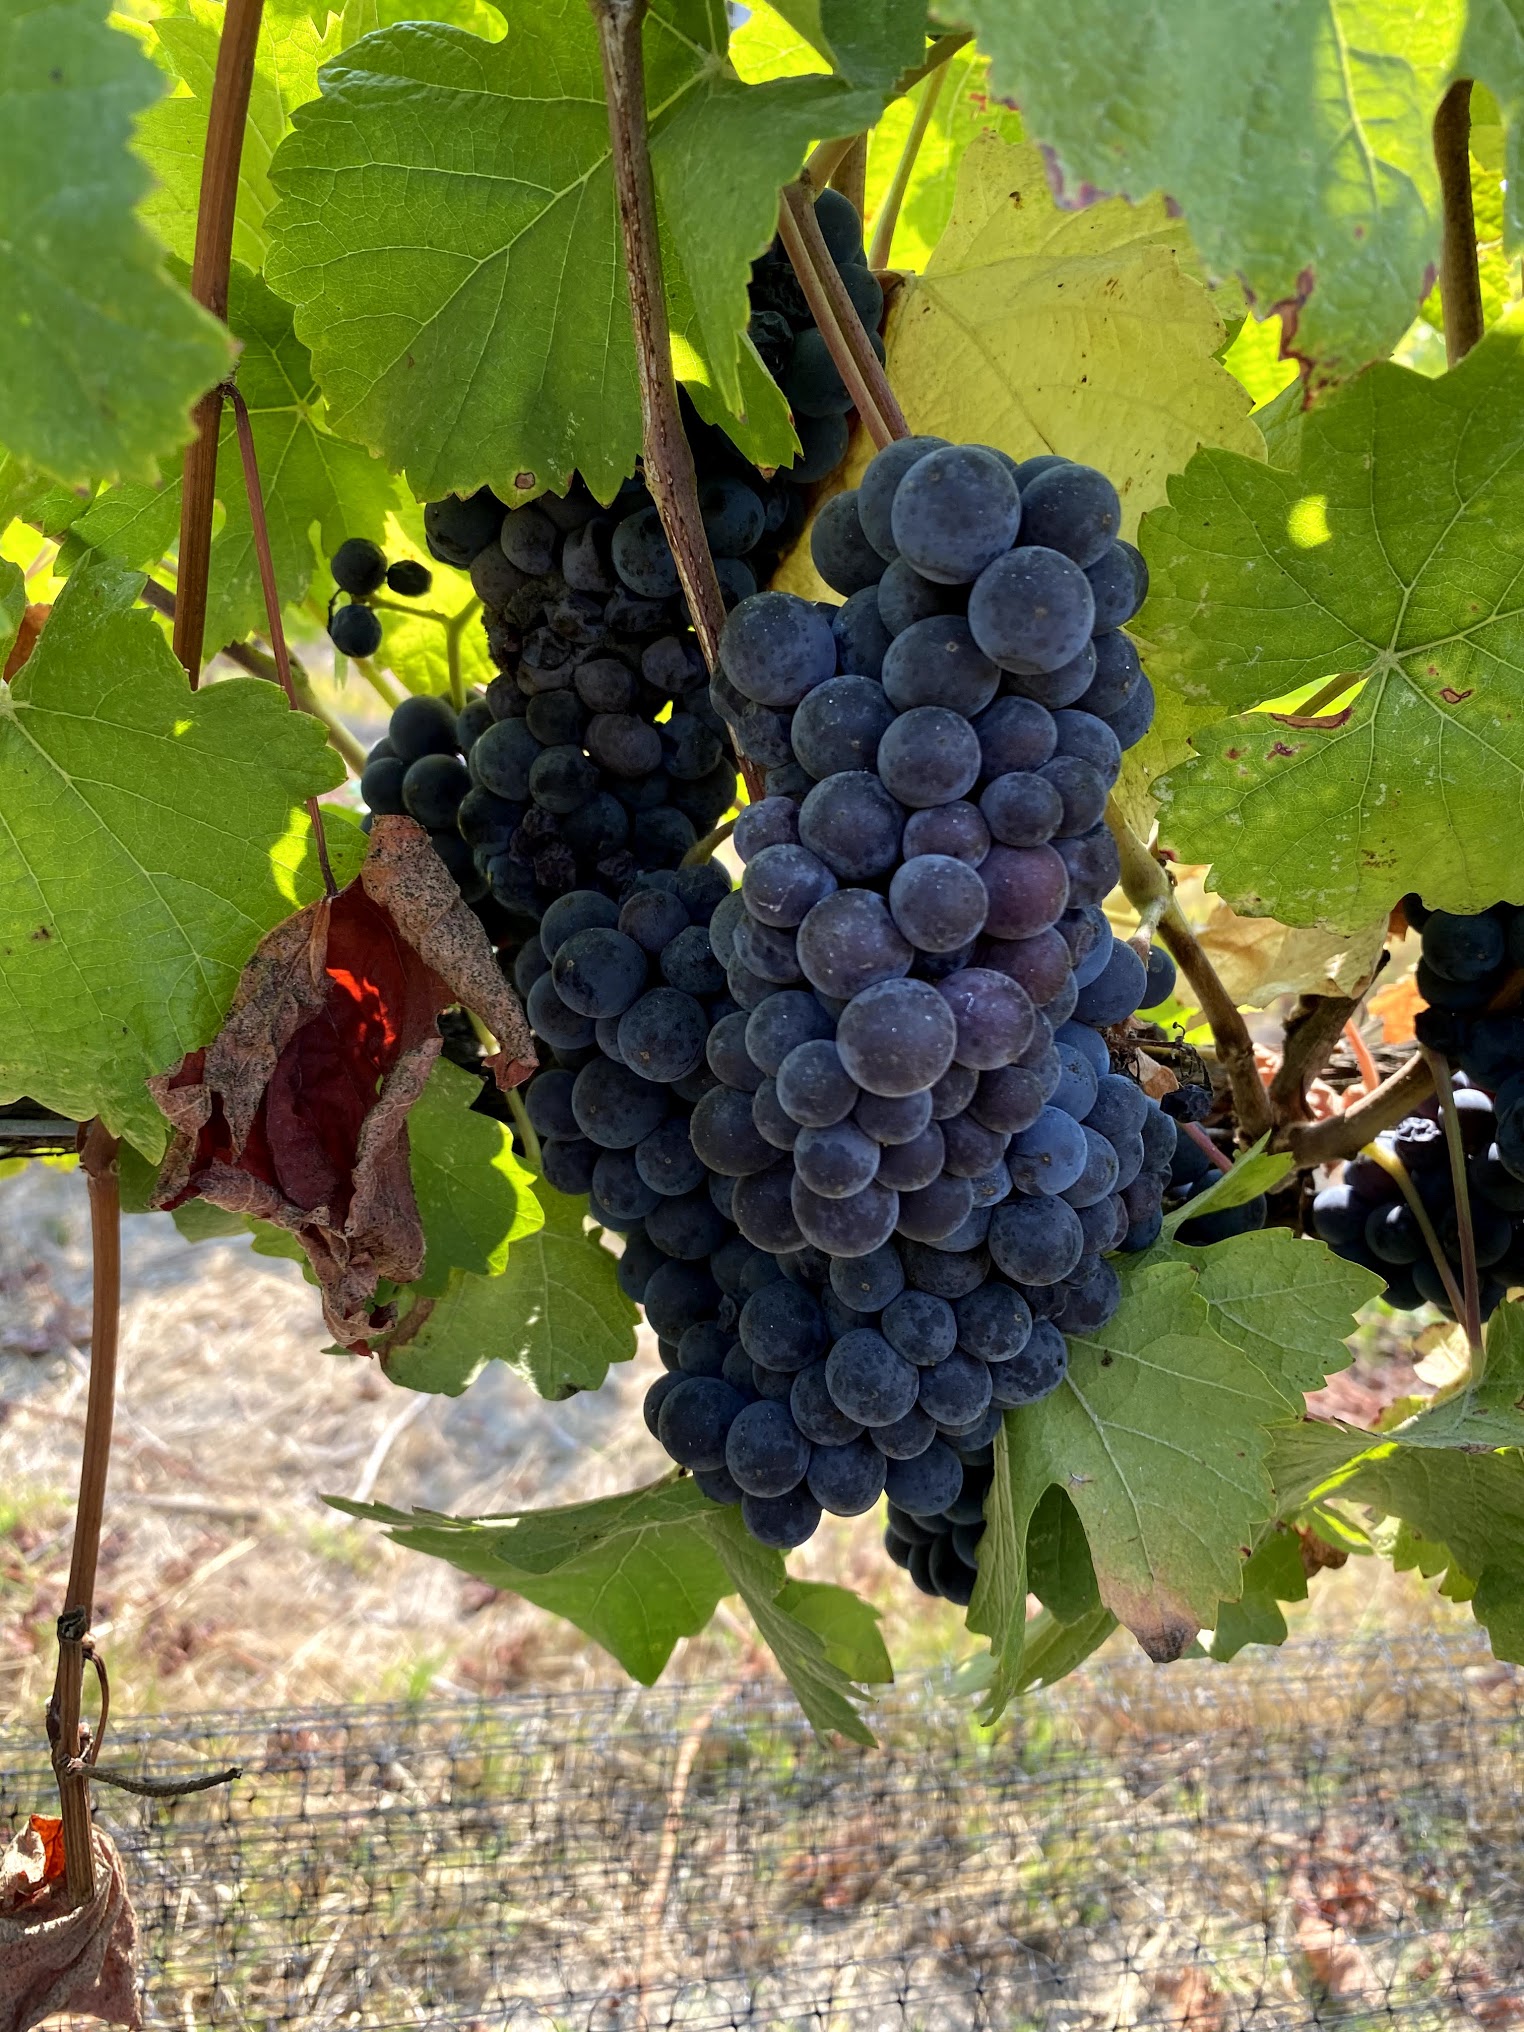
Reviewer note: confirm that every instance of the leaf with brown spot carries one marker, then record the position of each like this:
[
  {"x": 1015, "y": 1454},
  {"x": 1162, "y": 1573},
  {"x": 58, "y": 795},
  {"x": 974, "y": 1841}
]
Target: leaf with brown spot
[{"x": 297, "y": 1111}]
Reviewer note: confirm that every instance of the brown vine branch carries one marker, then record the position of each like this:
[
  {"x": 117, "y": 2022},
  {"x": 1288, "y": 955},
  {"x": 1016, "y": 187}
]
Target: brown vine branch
[
  {"x": 835, "y": 315},
  {"x": 1341, "y": 1136},
  {"x": 1149, "y": 890},
  {"x": 1312, "y": 1031},
  {"x": 669, "y": 471},
  {"x": 257, "y": 664},
  {"x": 209, "y": 286},
  {"x": 271, "y": 593},
  {"x": 98, "y": 1161},
  {"x": 850, "y": 176},
  {"x": 1460, "y": 281}
]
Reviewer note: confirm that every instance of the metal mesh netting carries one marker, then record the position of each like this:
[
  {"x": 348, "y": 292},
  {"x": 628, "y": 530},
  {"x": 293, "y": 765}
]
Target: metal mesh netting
[{"x": 1322, "y": 1834}]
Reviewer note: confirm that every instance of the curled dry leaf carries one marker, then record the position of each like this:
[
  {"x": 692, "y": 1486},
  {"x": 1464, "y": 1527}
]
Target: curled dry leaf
[
  {"x": 296, "y": 1112},
  {"x": 54, "y": 1959},
  {"x": 26, "y": 639},
  {"x": 1257, "y": 958}
]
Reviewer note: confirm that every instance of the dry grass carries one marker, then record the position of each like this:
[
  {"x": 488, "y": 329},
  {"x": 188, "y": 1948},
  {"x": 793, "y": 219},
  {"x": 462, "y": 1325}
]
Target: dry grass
[{"x": 224, "y": 1578}]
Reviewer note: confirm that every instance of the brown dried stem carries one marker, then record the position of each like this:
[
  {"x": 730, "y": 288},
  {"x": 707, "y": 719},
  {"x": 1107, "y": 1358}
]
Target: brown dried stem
[
  {"x": 850, "y": 176},
  {"x": 1460, "y": 281},
  {"x": 268, "y": 587},
  {"x": 835, "y": 315},
  {"x": 1312, "y": 1031},
  {"x": 1148, "y": 888},
  {"x": 98, "y": 1161},
  {"x": 1342, "y": 1136},
  {"x": 209, "y": 286}
]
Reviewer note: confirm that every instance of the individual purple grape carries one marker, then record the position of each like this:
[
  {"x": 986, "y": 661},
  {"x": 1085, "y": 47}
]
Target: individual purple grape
[
  {"x": 835, "y": 1161},
  {"x": 695, "y": 1419},
  {"x": 893, "y": 1119},
  {"x": 896, "y": 1037},
  {"x": 1073, "y": 509},
  {"x": 929, "y": 756},
  {"x": 910, "y": 1166},
  {"x": 1117, "y": 991},
  {"x": 813, "y": 1085},
  {"x": 904, "y": 598},
  {"x": 937, "y": 1211},
  {"x": 926, "y": 1485},
  {"x": 1094, "y": 865},
  {"x": 1028, "y": 888},
  {"x": 850, "y": 942},
  {"x": 772, "y": 1125},
  {"x": 725, "y": 1136},
  {"x": 781, "y": 1521},
  {"x": 994, "y": 1017},
  {"x": 972, "y": 1150},
  {"x": 847, "y": 1480},
  {"x": 953, "y": 512},
  {"x": 771, "y": 822},
  {"x": 905, "y": 1437},
  {"x": 815, "y": 1411},
  {"x": 1015, "y": 734},
  {"x": 867, "y": 1379},
  {"x": 765, "y": 1452},
  {"x": 938, "y": 902},
  {"x": 853, "y": 824},
  {"x": 1036, "y": 1241},
  {"x": 955, "y": 1391},
  {"x": 854, "y": 1226},
  {"x": 1032, "y": 610},
  {"x": 957, "y": 830},
  {"x": 763, "y": 950},
  {"x": 787, "y": 1017},
  {"x": 1023, "y": 808},
  {"x": 921, "y": 1327},
  {"x": 1119, "y": 580},
  {"x": 936, "y": 662},
  {"x": 774, "y": 648},
  {"x": 1034, "y": 1373},
  {"x": 881, "y": 478},
  {"x": 783, "y": 883},
  {"x": 867, "y": 1283},
  {"x": 838, "y": 727},
  {"x": 1041, "y": 963},
  {"x": 763, "y": 1211}
]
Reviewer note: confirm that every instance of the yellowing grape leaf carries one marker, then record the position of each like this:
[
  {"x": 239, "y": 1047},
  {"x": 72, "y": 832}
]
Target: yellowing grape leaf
[
  {"x": 1081, "y": 332},
  {"x": 966, "y": 109},
  {"x": 1389, "y": 557},
  {"x": 149, "y": 836},
  {"x": 1395, "y": 1008}
]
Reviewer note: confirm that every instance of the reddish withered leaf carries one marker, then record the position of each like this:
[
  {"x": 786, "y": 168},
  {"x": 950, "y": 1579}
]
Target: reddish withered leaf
[
  {"x": 297, "y": 1111},
  {"x": 26, "y": 639}
]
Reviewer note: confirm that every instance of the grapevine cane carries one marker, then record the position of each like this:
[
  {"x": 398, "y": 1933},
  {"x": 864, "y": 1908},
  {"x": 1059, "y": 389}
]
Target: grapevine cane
[
  {"x": 836, "y": 317},
  {"x": 209, "y": 286},
  {"x": 1460, "y": 282},
  {"x": 1149, "y": 890},
  {"x": 272, "y": 603},
  {"x": 98, "y": 1161},
  {"x": 894, "y": 197},
  {"x": 669, "y": 466}
]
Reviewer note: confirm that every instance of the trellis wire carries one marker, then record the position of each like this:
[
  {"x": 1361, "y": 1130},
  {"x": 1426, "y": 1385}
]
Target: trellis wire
[{"x": 1328, "y": 1834}]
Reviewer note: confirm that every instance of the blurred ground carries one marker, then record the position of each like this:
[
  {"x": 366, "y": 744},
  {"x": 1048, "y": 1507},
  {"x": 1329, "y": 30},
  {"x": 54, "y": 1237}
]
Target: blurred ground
[{"x": 225, "y": 1581}]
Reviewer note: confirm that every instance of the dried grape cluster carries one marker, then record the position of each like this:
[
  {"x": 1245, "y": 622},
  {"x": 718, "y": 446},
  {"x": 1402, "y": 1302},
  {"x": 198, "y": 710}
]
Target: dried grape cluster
[{"x": 1469, "y": 976}]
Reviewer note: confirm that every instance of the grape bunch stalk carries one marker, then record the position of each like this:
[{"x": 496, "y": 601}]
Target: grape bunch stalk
[{"x": 1395, "y": 1209}]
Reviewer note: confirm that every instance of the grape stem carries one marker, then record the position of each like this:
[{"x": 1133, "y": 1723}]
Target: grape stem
[
  {"x": 1394, "y": 1167},
  {"x": 1312, "y": 1030},
  {"x": 1199, "y": 1135},
  {"x": 98, "y": 1154},
  {"x": 836, "y": 317},
  {"x": 1460, "y": 282},
  {"x": 1150, "y": 891},
  {"x": 390, "y": 695},
  {"x": 455, "y": 627},
  {"x": 1471, "y": 1311},
  {"x": 257, "y": 664},
  {"x": 820, "y": 166},
  {"x": 894, "y": 197},
  {"x": 223, "y": 154},
  {"x": 850, "y": 176},
  {"x": 1370, "y": 1076},
  {"x": 704, "y": 849},
  {"x": 261, "y": 529},
  {"x": 1341, "y": 1136}
]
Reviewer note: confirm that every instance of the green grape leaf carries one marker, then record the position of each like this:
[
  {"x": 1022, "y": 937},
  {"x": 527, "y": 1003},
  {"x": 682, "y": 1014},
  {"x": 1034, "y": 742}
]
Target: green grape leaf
[
  {"x": 1390, "y": 556},
  {"x": 1160, "y": 1436},
  {"x": 1060, "y": 1571},
  {"x": 171, "y": 137},
  {"x": 12, "y": 605},
  {"x": 151, "y": 836},
  {"x": 1274, "y": 1575},
  {"x": 965, "y": 110},
  {"x": 1491, "y": 1414},
  {"x": 1039, "y": 330},
  {"x": 1052, "y": 1650},
  {"x": 824, "y": 1688},
  {"x": 1469, "y": 1502},
  {"x": 1286, "y": 1302},
  {"x": 497, "y": 346},
  {"x": 1298, "y": 142},
  {"x": 862, "y": 39},
  {"x": 635, "y": 1572},
  {"x": 555, "y": 1314},
  {"x": 101, "y": 353},
  {"x": 474, "y": 1197},
  {"x": 1258, "y": 1170},
  {"x": 845, "y": 1624},
  {"x": 314, "y": 484}
]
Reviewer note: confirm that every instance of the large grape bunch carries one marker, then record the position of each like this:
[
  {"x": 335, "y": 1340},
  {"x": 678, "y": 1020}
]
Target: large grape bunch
[
  {"x": 916, "y": 1089},
  {"x": 1470, "y": 978}
]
